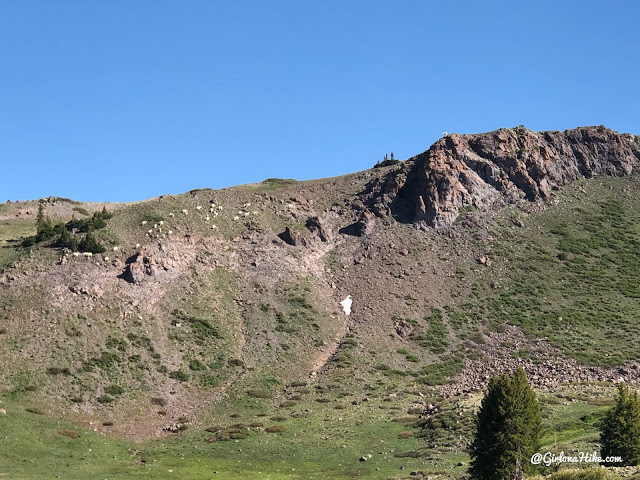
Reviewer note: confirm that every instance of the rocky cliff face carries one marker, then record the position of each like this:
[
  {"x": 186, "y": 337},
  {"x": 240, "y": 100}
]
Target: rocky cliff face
[{"x": 491, "y": 169}]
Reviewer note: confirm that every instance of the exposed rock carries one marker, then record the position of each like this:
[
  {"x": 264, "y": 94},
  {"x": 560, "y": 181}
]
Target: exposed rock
[
  {"x": 366, "y": 224},
  {"x": 290, "y": 237},
  {"x": 491, "y": 169},
  {"x": 174, "y": 427},
  {"x": 403, "y": 328},
  {"x": 94, "y": 292},
  {"x": 138, "y": 267},
  {"x": 317, "y": 227}
]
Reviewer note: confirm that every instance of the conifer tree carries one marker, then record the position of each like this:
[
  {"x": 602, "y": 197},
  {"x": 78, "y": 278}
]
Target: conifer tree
[
  {"x": 40, "y": 217},
  {"x": 91, "y": 244},
  {"x": 620, "y": 428},
  {"x": 508, "y": 428},
  {"x": 44, "y": 227}
]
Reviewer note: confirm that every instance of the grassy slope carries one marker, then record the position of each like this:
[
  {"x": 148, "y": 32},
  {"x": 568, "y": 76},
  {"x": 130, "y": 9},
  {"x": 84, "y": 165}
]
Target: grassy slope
[
  {"x": 569, "y": 274},
  {"x": 309, "y": 448}
]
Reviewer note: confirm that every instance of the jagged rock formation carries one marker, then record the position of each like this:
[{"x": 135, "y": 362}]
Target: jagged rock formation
[{"x": 491, "y": 169}]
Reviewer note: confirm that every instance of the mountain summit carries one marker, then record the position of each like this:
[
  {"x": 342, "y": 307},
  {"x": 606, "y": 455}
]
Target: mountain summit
[{"x": 491, "y": 169}]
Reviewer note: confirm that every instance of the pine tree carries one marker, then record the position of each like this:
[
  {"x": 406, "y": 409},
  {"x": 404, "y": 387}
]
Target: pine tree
[
  {"x": 105, "y": 214},
  {"x": 65, "y": 240},
  {"x": 40, "y": 218},
  {"x": 508, "y": 428},
  {"x": 44, "y": 227},
  {"x": 620, "y": 428},
  {"x": 91, "y": 244}
]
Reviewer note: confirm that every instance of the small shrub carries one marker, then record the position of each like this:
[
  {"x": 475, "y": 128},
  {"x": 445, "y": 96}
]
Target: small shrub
[
  {"x": 259, "y": 393},
  {"x": 268, "y": 381},
  {"x": 58, "y": 371},
  {"x": 106, "y": 359},
  {"x": 179, "y": 375},
  {"x": 104, "y": 399},
  {"x": 196, "y": 365},
  {"x": 405, "y": 419},
  {"x": 276, "y": 182},
  {"x": 34, "y": 410},
  {"x": 386, "y": 163},
  {"x": 208, "y": 381},
  {"x": 218, "y": 363},
  {"x": 275, "y": 429},
  {"x": 153, "y": 217},
  {"x": 81, "y": 211},
  {"x": 114, "y": 390}
]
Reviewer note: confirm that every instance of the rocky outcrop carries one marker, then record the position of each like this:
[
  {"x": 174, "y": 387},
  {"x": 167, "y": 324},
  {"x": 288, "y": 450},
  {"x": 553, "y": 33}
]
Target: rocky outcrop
[
  {"x": 136, "y": 269},
  {"x": 316, "y": 230},
  {"x": 492, "y": 169},
  {"x": 317, "y": 227}
]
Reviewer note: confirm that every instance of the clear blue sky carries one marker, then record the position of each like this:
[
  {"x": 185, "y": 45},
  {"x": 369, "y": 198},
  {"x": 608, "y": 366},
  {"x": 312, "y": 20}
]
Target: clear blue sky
[{"x": 124, "y": 100}]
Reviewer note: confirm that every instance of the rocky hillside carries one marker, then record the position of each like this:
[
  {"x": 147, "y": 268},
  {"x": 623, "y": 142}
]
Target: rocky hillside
[{"x": 225, "y": 301}]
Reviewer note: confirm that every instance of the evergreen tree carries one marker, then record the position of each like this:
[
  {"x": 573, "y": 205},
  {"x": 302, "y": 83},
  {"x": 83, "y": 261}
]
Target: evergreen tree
[
  {"x": 97, "y": 221},
  {"x": 620, "y": 428},
  {"x": 44, "y": 227},
  {"x": 65, "y": 240},
  {"x": 91, "y": 244},
  {"x": 40, "y": 217},
  {"x": 105, "y": 214},
  {"x": 508, "y": 428}
]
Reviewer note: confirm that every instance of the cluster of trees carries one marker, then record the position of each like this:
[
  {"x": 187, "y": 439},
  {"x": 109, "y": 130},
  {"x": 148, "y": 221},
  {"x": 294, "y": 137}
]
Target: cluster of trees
[
  {"x": 508, "y": 428},
  {"x": 68, "y": 234},
  {"x": 386, "y": 161}
]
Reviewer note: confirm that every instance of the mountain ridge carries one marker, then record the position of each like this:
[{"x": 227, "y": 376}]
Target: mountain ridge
[{"x": 498, "y": 168}]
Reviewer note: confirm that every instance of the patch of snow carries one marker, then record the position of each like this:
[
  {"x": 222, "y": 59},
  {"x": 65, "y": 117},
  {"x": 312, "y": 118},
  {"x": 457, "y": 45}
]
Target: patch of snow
[{"x": 346, "y": 305}]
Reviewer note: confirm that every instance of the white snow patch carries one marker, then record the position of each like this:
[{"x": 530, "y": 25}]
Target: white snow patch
[{"x": 346, "y": 305}]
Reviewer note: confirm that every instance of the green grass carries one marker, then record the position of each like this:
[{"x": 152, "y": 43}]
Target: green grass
[
  {"x": 571, "y": 276},
  {"x": 436, "y": 337},
  {"x": 10, "y": 232},
  {"x": 35, "y": 449}
]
